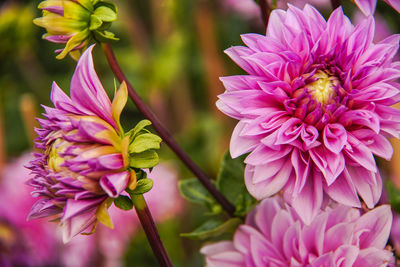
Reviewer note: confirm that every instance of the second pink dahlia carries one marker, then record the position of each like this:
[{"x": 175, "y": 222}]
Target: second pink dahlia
[
  {"x": 314, "y": 108},
  {"x": 274, "y": 236}
]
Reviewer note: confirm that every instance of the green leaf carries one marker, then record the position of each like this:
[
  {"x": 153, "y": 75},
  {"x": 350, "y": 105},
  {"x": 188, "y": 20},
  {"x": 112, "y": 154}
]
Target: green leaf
[
  {"x": 230, "y": 182},
  {"x": 143, "y": 186},
  {"x": 144, "y": 142},
  {"x": 105, "y": 14},
  {"x": 123, "y": 202},
  {"x": 394, "y": 195},
  {"x": 194, "y": 191},
  {"x": 87, "y": 4},
  {"x": 104, "y": 36},
  {"x": 214, "y": 228},
  {"x": 143, "y": 160},
  {"x": 95, "y": 23},
  {"x": 140, "y": 126}
]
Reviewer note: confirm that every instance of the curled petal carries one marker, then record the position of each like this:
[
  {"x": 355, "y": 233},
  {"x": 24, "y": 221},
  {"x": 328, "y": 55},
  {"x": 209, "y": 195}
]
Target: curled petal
[{"x": 114, "y": 184}]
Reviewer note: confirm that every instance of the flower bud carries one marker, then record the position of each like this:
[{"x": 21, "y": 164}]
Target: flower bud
[{"x": 76, "y": 23}]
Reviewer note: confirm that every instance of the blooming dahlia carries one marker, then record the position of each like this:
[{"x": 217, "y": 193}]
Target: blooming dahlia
[
  {"x": 314, "y": 108},
  {"x": 273, "y": 235},
  {"x": 86, "y": 159}
]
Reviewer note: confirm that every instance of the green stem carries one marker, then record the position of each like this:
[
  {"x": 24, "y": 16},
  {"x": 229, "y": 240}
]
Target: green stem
[{"x": 150, "y": 229}]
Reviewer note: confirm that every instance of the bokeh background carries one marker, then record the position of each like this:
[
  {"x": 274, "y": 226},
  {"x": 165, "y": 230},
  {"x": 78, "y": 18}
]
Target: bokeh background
[{"x": 172, "y": 52}]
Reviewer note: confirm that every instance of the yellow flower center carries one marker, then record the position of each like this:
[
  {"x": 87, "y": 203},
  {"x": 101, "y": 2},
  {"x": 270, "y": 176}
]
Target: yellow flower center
[
  {"x": 323, "y": 88},
  {"x": 54, "y": 159}
]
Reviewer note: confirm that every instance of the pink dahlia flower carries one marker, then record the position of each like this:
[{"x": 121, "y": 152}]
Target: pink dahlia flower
[
  {"x": 314, "y": 108},
  {"x": 86, "y": 159},
  {"x": 274, "y": 236},
  {"x": 368, "y": 6}
]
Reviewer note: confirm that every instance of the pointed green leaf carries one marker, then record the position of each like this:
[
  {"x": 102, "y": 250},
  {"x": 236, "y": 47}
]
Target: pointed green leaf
[
  {"x": 143, "y": 160},
  {"x": 140, "y": 126},
  {"x": 143, "y": 186},
  {"x": 144, "y": 142},
  {"x": 104, "y": 36},
  {"x": 123, "y": 202},
  {"x": 230, "y": 182},
  {"x": 95, "y": 23},
  {"x": 214, "y": 228},
  {"x": 105, "y": 14},
  {"x": 194, "y": 191}
]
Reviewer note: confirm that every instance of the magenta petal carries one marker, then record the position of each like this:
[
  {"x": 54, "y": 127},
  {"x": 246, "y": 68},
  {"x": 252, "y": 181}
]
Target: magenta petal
[
  {"x": 61, "y": 101},
  {"x": 289, "y": 131},
  {"x": 378, "y": 144},
  {"x": 301, "y": 165},
  {"x": 43, "y": 208},
  {"x": 366, "y": 6},
  {"x": 308, "y": 202},
  {"x": 107, "y": 162},
  {"x": 77, "y": 224},
  {"x": 367, "y": 183},
  {"x": 374, "y": 257},
  {"x": 241, "y": 144},
  {"x": 59, "y": 39},
  {"x": 343, "y": 190},
  {"x": 330, "y": 164},
  {"x": 346, "y": 255},
  {"x": 76, "y": 208},
  {"x": 326, "y": 260},
  {"x": 335, "y": 137},
  {"x": 87, "y": 92},
  {"x": 360, "y": 153},
  {"x": 270, "y": 185},
  {"x": 374, "y": 227},
  {"x": 222, "y": 254},
  {"x": 114, "y": 184}
]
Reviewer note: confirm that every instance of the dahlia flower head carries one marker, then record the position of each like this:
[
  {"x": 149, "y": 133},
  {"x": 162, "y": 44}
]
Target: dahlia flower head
[
  {"x": 274, "y": 235},
  {"x": 314, "y": 108},
  {"x": 76, "y": 23},
  {"x": 86, "y": 158}
]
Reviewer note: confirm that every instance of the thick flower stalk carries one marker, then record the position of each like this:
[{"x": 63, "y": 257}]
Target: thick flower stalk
[
  {"x": 314, "y": 108},
  {"x": 87, "y": 160},
  {"x": 273, "y": 235},
  {"x": 76, "y": 23}
]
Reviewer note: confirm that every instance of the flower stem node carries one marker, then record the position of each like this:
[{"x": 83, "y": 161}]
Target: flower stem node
[{"x": 76, "y": 24}]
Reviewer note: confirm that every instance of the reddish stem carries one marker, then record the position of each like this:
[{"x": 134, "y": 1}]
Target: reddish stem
[
  {"x": 335, "y": 4},
  {"x": 150, "y": 229},
  {"x": 265, "y": 11}
]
